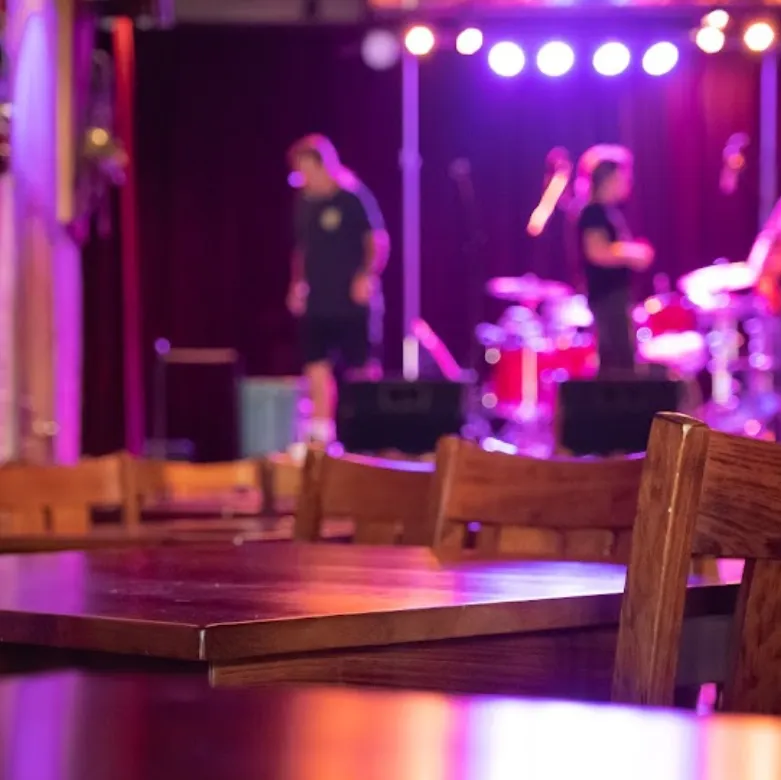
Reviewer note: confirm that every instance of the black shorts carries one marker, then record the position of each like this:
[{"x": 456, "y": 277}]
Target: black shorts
[{"x": 345, "y": 342}]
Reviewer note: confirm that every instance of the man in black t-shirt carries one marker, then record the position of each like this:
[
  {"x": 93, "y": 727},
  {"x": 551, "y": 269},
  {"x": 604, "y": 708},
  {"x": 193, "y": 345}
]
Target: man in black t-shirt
[
  {"x": 609, "y": 255},
  {"x": 341, "y": 250}
]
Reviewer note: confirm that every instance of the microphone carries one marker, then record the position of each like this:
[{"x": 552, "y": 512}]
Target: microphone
[
  {"x": 559, "y": 170},
  {"x": 460, "y": 169},
  {"x": 733, "y": 162}
]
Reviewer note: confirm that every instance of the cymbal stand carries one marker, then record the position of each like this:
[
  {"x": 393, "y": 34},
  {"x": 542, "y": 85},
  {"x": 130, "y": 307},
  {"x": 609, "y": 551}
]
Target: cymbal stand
[
  {"x": 723, "y": 343},
  {"x": 760, "y": 351}
]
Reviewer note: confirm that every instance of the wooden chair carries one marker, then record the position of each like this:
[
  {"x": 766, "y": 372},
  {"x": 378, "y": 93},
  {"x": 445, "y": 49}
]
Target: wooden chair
[
  {"x": 60, "y": 499},
  {"x": 282, "y": 480},
  {"x": 712, "y": 494},
  {"x": 383, "y": 498},
  {"x": 561, "y": 508},
  {"x": 281, "y": 476},
  {"x": 156, "y": 481}
]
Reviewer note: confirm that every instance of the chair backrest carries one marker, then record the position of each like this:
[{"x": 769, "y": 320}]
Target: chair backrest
[
  {"x": 166, "y": 479},
  {"x": 562, "y": 508},
  {"x": 712, "y": 494},
  {"x": 281, "y": 483},
  {"x": 383, "y": 498},
  {"x": 60, "y": 499}
]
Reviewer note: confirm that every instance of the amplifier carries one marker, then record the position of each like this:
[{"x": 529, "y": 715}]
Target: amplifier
[
  {"x": 269, "y": 414},
  {"x": 399, "y": 415},
  {"x": 609, "y": 416}
]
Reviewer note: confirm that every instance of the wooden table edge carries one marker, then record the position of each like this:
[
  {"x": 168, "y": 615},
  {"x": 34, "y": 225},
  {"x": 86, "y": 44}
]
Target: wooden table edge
[
  {"x": 157, "y": 639},
  {"x": 242, "y": 641}
]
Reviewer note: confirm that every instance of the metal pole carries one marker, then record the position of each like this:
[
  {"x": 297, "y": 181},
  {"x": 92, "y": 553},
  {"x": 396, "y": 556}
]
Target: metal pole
[
  {"x": 410, "y": 162},
  {"x": 768, "y": 132},
  {"x": 761, "y": 382}
]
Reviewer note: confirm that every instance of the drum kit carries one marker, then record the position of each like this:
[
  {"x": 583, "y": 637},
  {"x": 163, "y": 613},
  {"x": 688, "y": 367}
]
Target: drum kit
[{"x": 715, "y": 323}]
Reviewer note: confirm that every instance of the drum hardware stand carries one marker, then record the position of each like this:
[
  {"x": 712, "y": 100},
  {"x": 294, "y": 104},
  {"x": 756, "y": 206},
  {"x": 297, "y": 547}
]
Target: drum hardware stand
[
  {"x": 760, "y": 349},
  {"x": 755, "y": 404},
  {"x": 529, "y": 387},
  {"x": 723, "y": 341}
]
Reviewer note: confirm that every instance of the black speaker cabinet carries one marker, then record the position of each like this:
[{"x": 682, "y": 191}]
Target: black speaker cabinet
[
  {"x": 604, "y": 416},
  {"x": 398, "y": 415}
]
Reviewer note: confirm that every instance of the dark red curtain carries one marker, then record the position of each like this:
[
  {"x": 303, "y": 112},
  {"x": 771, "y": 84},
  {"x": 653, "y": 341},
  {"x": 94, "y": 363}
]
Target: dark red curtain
[
  {"x": 103, "y": 424},
  {"x": 217, "y": 108}
]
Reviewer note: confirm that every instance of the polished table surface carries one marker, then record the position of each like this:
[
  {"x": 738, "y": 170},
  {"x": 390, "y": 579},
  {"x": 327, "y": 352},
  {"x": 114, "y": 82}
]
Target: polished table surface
[
  {"x": 220, "y": 602},
  {"x": 224, "y": 602},
  {"x": 147, "y": 727},
  {"x": 151, "y": 534}
]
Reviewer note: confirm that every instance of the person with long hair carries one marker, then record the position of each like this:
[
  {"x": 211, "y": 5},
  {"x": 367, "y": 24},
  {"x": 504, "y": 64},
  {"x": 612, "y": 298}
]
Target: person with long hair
[
  {"x": 609, "y": 255},
  {"x": 341, "y": 248}
]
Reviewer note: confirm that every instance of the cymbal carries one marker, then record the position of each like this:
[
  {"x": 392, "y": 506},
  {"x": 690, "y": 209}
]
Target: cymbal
[
  {"x": 704, "y": 284},
  {"x": 526, "y": 289},
  {"x": 572, "y": 312},
  {"x": 685, "y": 351}
]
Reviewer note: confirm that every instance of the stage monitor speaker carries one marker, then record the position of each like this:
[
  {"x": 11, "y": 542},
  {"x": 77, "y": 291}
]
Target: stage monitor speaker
[
  {"x": 604, "y": 417},
  {"x": 398, "y": 415}
]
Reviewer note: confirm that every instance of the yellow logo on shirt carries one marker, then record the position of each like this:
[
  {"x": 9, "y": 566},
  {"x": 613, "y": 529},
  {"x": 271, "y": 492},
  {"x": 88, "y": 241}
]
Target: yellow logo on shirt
[{"x": 330, "y": 219}]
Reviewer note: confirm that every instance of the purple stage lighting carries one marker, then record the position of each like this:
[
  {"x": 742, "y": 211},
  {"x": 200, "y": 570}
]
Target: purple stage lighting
[
  {"x": 506, "y": 59},
  {"x": 419, "y": 40},
  {"x": 469, "y": 41},
  {"x": 555, "y": 58},
  {"x": 710, "y": 39},
  {"x": 611, "y": 59},
  {"x": 660, "y": 58}
]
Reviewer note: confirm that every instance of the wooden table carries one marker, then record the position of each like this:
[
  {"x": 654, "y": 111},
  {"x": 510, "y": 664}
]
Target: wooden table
[
  {"x": 386, "y": 615},
  {"x": 152, "y": 534},
  {"x": 155, "y": 727},
  {"x": 172, "y": 532}
]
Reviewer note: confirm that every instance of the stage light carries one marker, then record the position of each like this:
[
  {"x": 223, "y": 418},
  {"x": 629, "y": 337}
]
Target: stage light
[
  {"x": 759, "y": 36},
  {"x": 469, "y": 41},
  {"x": 718, "y": 19},
  {"x": 380, "y": 49},
  {"x": 419, "y": 40},
  {"x": 709, "y": 39},
  {"x": 611, "y": 59},
  {"x": 555, "y": 58},
  {"x": 660, "y": 58},
  {"x": 506, "y": 59}
]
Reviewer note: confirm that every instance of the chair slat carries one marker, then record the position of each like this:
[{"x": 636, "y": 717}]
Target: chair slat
[
  {"x": 738, "y": 515},
  {"x": 380, "y": 496},
  {"x": 564, "y": 508}
]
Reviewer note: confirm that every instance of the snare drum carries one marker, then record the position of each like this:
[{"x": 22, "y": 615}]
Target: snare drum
[
  {"x": 682, "y": 351},
  {"x": 568, "y": 315}
]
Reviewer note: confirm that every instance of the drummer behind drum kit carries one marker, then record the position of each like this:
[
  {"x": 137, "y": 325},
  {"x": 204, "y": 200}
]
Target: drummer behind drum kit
[{"x": 716, "y": 322}]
